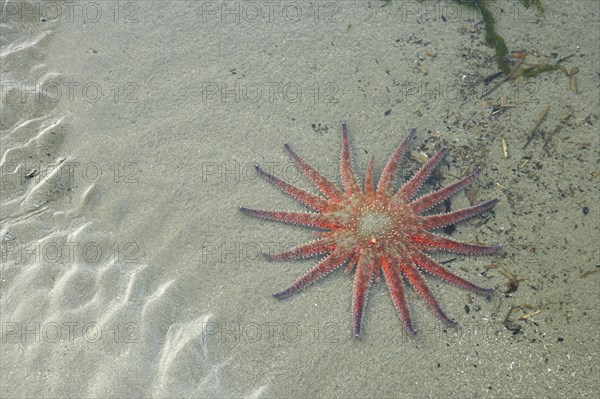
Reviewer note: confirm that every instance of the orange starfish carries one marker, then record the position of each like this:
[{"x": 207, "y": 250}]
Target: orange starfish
[{"x": 377, "y": 230}]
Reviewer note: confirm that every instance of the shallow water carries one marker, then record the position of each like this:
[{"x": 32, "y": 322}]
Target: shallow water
[{"x": 129, "y": 135}]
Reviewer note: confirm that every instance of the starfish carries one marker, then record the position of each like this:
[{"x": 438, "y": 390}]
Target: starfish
[{"x": 377, "y": 230}]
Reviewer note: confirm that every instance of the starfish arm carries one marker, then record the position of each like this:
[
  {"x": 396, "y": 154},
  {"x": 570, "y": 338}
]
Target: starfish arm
[
  {"x": 396, "y": 287},
  {"x": 349, "y": 178},
  {"x": 327, "y": 265},
  {"x": 305, "y": 219},
  {"x": 432, "y": 267},
  {"x": 352, "y": 262},
  {"x": 427, "y": 201},
  {"x": 417, "y": 281},
  {"x": 431, "y": 241},
  {"x": 362, "y": 282},
  {"x": 326, "y": 186},
  {"x": 369, "y": 186},
  {"x": 311, "y": 200},
  {"x": 411, "y": 187},
  {"x": 309, "y": 250},
  {"x": 437, "y": 221},
  {"x": 388, "y": 176}
]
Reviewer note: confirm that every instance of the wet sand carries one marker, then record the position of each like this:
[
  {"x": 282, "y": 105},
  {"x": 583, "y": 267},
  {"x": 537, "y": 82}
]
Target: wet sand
[{"x": 129, "y": 136}]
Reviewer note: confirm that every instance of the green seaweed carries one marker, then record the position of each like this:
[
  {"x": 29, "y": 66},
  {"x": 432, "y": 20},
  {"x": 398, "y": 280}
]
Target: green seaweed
[
  {"x": 493, "y": 38},
  {"x": 538, "y": 4}
]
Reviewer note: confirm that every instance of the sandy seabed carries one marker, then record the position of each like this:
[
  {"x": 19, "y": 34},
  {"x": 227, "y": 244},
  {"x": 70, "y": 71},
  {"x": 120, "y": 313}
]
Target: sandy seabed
[{"x": 129, "y": 135}]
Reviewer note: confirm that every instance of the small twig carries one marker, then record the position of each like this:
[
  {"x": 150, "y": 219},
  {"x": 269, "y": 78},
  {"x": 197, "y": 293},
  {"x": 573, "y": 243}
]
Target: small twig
[
  {"x": 510, "y": 75},
  {"x": 563, "y": 120},
  {"x": 564, "y": 58},
  {"x": 539, "y": 121}
]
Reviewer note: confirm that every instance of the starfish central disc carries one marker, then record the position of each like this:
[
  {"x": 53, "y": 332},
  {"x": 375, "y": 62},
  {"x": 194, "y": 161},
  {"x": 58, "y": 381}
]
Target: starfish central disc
[{"x": 374, "y": 224}]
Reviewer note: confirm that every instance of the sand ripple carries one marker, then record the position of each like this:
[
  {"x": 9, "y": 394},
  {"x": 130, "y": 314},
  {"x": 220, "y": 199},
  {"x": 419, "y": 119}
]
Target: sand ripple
[{"x": 77, "y": 318}]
